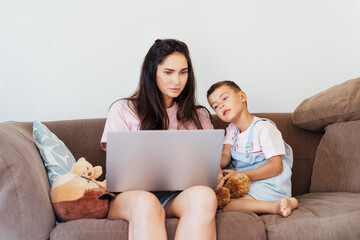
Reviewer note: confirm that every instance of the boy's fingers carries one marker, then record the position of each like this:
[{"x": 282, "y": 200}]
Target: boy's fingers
[{"x": 226, "y": 177}]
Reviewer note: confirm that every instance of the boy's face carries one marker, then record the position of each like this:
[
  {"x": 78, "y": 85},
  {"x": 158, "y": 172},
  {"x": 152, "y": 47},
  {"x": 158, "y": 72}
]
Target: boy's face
[{"x": 227, "y": 103}]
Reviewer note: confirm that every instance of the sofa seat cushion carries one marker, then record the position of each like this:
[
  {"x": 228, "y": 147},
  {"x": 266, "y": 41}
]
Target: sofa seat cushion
[
  {"x": 239, "y": 225},
  {"x": 229, "y": 225},
  {"x": 334, "y": 215},
  {"x": 91, "y": 229}
]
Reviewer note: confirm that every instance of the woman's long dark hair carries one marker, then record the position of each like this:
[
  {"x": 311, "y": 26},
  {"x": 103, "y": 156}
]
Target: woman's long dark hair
[{"x": 148, "y": 100}]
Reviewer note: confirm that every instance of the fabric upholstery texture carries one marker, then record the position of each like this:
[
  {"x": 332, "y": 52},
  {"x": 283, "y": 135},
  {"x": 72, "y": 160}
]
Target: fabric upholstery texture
[
  {"x": 319, "y": 216},
  {"x": 336, "y": 167},
  {"x": 230, "y": 225},
  {"x": 57, "y": 158},
  {"x": 83, "y": 139},
  {"x": 26, "y": 211},
  {"x": 339, "y": 103},
  {"x": 25, "y": 207},
  {"x": 303, "y": 143}
]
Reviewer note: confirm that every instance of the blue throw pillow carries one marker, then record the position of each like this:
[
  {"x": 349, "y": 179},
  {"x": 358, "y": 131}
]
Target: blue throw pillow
[{"x": 57, "y": 158}]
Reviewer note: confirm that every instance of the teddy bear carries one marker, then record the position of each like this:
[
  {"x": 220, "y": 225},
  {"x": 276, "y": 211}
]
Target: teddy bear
[
  {"x": 75, "y": 197},
  {"x": 236, "y": 186},
  {"x": 85, "y": 169}
]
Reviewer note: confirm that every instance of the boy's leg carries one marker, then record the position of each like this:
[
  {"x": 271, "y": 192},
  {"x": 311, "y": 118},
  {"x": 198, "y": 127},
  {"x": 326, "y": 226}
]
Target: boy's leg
[
  {"x": 143, "y": 211},
  {"x": 196, "y": 208},
  {"x": 283, "y": 206}
]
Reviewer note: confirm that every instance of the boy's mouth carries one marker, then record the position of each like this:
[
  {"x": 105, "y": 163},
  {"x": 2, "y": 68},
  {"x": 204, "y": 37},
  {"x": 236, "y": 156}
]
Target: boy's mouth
[{"x": 225, "y": 112}]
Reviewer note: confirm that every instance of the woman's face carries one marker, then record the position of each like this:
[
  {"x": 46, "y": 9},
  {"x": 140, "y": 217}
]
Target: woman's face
[{"x": 171, "y": 77}]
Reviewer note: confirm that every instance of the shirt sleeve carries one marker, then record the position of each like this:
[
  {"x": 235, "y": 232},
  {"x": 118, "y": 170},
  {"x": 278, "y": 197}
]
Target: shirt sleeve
[
  {"x": 115, "y": 121},
  {"x": 271, "y": 141},
  {"x": 230, "y": 130}
]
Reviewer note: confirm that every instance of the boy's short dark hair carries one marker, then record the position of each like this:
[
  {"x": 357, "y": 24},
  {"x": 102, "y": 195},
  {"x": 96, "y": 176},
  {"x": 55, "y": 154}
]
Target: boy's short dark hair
[{"x": 229, "y": 83}]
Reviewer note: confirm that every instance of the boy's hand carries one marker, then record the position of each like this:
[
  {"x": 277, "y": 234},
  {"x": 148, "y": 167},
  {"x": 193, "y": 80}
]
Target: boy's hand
[
  {"x": 228, "y": 173},
  {"x": 220, "y": 181}
]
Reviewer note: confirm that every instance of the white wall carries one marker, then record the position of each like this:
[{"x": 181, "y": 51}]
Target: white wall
[{"x": 71, "y": 59}]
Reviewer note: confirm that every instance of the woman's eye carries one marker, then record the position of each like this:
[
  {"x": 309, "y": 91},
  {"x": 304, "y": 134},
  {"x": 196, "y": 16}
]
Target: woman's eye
[
  {"x": 167, "y": 73},
  {"x": 216, "y": 106},
  {"x": 225, "y": 98},
  {"x": 184, "y": 72}
]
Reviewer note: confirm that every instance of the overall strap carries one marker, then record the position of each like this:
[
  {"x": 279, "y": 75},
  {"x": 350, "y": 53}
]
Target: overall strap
[{"x": 249, "y": 144}]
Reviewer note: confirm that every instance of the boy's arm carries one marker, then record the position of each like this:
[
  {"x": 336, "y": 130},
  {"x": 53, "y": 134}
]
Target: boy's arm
[
  {"x": 225, "y": 160},
  {"x": 225, "y": 155},
  {"x": 272, "y": 168}
]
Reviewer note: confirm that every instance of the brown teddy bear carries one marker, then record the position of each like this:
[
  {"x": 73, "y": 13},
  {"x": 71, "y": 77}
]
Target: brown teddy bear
[
  {"x": 75, "y": 197},
  {"x": 85, "y": 169},
  {"x": 236, "y": 186}
]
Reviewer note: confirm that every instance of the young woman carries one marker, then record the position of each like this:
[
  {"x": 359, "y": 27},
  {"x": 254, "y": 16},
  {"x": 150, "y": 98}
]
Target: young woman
[{"x": 165, "y": 99}]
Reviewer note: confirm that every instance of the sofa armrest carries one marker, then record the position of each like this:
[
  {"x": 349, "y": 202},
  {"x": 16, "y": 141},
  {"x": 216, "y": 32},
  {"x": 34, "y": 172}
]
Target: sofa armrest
[{"x": 25, "y": 210}]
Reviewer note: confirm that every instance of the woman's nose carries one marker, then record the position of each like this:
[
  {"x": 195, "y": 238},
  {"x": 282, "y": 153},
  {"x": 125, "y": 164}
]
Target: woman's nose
[{"x": 176, "y": 79}]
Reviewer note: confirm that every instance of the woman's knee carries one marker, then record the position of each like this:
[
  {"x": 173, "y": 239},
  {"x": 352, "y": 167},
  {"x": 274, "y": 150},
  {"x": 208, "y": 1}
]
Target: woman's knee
[
  {"x": 148, "y": 204},
  {"x": 137, "y": 205},
  {"x": 202, "y": 198}
]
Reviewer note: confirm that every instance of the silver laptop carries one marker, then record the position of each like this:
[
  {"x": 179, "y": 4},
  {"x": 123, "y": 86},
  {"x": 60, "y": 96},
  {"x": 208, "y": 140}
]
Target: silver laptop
[{"x": 162, "y": 160}]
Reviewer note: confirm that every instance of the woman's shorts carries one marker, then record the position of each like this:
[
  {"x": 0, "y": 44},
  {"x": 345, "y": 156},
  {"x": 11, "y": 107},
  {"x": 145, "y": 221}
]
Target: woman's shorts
[{"x": 165, "y": 196}]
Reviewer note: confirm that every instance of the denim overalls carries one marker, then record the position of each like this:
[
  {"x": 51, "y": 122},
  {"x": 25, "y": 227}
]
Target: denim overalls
[{"x": 269, "y": 189}]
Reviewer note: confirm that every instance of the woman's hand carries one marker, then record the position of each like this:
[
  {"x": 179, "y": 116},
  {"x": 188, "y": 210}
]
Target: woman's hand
[
  {"x": 228, "y": 173},
  {"x": 220, "y": 181}
]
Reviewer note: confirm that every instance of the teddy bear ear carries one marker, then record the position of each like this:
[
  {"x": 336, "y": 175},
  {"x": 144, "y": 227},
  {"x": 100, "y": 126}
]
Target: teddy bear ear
[
  {"x": 81, "y": 159},
  {"x": 97, "y": 171}
]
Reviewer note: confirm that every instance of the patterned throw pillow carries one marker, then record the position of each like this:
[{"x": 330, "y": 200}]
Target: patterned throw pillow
[{"x": 57, "y": 158}]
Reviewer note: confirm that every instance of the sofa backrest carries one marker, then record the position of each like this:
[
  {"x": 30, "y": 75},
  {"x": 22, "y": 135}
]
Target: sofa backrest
[{"x": 82, "y": 137}]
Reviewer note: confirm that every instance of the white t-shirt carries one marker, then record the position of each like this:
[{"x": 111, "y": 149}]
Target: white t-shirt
[{"x": 267, "y": 139}]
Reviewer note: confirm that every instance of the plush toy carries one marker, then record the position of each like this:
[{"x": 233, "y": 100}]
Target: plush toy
[
  {"x": 85, "y": 169},
  {"x": 236, "y": 186},
  {"x": 74, "y": 197}
]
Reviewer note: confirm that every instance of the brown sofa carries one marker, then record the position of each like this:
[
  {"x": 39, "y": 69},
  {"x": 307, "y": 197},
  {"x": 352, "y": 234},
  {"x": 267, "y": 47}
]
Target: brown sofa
[{"x": 26, "y": 211}]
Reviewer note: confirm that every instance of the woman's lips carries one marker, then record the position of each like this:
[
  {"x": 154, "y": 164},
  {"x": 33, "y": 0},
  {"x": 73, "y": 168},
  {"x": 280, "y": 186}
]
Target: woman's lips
[{"x": 174, "y": 89}]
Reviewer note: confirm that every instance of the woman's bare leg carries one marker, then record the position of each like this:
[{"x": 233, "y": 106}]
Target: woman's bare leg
[
  {"x": 196, "y": 209},
  {"x": 283, "y": 206},
  {"x": 143, "y": 211}
]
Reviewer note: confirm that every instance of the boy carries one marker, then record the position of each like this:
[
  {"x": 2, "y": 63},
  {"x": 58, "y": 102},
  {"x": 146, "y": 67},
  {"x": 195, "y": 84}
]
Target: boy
[{"x": 258, "y": 150}]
